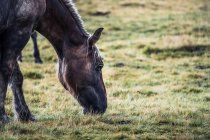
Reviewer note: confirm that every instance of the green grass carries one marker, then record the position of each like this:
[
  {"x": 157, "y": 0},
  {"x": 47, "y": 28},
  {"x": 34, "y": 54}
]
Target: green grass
[{"x": 157, "y": 75}]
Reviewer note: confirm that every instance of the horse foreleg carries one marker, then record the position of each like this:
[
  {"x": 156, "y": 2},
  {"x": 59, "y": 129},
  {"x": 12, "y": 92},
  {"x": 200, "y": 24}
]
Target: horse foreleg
[
  {"x": 36, "y": 49},
  {"x": 3, "y": 90},
  {"x": 21, "y": 109},
  {"x": 11, "y": 70}
]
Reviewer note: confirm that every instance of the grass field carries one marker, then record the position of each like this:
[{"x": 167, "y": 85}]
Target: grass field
[{"x": 157, "y": 75}]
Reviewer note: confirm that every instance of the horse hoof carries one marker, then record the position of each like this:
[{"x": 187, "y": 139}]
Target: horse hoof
[
  {"x": 32, "y": 118},
  {"x": 4, "y": 119},
  {"x": 24, "y": 117},
  {"x": 38, "y": 61}
]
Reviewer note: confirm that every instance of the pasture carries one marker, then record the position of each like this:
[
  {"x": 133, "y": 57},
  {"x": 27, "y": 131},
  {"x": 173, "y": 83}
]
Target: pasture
[{"x": 157, "y": 75}]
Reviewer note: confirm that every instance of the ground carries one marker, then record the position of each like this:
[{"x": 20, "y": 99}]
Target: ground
[{"x": 157, "y": 75}]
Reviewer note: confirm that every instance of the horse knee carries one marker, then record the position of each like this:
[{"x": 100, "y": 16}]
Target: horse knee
[
  {"x": 7, "y": 68},
  {"x": 16, "y": 78}
]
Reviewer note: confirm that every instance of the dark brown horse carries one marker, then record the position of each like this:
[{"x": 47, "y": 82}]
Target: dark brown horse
[
  {"x": 36, "y": 54},
  {"x": 80, "y": 63}
]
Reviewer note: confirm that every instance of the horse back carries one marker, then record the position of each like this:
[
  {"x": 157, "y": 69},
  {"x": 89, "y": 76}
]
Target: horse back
[{"x": 20, "y": 12}]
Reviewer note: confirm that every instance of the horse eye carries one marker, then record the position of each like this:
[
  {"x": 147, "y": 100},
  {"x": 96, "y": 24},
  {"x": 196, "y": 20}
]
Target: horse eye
[{"x": 99, "y": 67}]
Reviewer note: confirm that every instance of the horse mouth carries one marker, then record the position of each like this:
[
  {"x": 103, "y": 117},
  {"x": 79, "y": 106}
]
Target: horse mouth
[
  {"x": 97, "y": 109},
  {"x": 91, "y": 111},
  {"x": 93, "y": 102}
]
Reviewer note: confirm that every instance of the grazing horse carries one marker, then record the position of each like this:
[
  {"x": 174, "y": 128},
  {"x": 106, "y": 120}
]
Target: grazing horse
[
  {"x": 80, "y": 63},
  {"x": 37, "y": 57}
]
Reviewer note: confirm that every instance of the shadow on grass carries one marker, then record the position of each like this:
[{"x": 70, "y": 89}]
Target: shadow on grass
[
  {"x": 115, "y": 121},
  {"x": 184, "y": 51}
]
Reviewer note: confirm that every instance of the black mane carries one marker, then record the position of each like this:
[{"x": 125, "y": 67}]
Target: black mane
[{"x": 74, "y": 13}]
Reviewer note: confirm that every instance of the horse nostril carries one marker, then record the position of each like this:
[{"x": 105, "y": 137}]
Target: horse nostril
[{"x": 92, "y": 101}]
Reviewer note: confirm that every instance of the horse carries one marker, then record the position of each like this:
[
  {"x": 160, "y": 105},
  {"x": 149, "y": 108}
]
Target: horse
[
  {"x": 79, "y": 59},
  {"x": 36, "y": 54}
]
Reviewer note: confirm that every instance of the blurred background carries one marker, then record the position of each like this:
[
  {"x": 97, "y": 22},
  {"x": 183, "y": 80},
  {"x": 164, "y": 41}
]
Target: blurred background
[{"x": 157, "y": 75}]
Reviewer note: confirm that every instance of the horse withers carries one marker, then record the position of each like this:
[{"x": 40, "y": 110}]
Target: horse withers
[{"x": 80, "y": 63}]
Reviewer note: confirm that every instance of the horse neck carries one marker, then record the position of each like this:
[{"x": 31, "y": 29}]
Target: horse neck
[{"x": 59, "y": 27}]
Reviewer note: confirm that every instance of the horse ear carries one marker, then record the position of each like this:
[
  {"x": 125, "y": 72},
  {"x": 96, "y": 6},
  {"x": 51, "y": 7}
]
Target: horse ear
[{"x": 96, "y": 36}]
